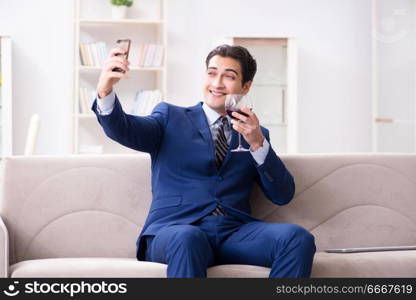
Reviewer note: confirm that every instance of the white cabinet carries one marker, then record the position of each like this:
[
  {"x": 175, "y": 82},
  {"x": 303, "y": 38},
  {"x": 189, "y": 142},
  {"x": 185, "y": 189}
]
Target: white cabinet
[
  {"x": 6, "y": 142},
  {"x": 95, "y": 27},
  {"x": 274, "y": 88},
  {"x": 394, "y": 76}
]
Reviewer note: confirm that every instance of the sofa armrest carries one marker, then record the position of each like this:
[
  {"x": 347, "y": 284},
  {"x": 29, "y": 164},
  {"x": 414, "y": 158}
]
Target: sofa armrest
[{"x": 4, "y": 250}]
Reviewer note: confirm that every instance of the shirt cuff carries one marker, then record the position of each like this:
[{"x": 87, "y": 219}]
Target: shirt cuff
[
  {"x": 260, "y": 154},
  {"x": 105, "y": 105}
]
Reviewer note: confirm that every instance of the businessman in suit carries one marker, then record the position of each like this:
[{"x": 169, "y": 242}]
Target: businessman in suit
[{"x": 200, "y": 213}]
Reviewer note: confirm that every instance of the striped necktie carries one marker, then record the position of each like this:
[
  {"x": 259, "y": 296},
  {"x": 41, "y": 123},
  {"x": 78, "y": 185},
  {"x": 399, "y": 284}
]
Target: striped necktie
[
  {"x": 221, "y": 149},
  {"x": 221, "y": 146}
]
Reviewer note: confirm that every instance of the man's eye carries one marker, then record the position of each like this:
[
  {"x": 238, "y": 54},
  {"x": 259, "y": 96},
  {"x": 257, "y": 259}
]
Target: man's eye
[
  {"x": 230, "y": 77},
  {"x": 211, "y": 73}
]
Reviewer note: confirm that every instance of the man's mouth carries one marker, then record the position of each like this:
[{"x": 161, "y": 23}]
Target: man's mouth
[{"x": 217, "y": 94}]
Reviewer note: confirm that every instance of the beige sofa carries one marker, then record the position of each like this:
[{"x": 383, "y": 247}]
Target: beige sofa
[{"x": 79, "y": 216}]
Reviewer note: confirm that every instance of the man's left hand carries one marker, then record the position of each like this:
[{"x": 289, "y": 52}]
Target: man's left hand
[{"x": 249, "y": 127}]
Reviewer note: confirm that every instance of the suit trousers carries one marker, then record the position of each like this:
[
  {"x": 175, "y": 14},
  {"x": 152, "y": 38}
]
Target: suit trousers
[{"x": 188, "y": 250}]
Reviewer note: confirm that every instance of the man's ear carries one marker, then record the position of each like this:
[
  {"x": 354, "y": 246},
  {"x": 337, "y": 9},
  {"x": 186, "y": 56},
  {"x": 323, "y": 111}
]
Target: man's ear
[{"x": 246, "y": 86}]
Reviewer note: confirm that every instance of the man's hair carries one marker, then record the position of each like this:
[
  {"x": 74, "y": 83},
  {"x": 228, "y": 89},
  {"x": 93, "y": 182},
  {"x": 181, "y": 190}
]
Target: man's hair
[{"x": 239, "y": 53}]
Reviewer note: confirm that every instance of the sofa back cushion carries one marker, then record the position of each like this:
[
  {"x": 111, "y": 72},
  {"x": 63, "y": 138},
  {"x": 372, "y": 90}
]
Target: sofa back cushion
[
  {"x": 75, "y": 206},
  {"x": 350, "y": 200},
  {"x": 95, "y": 206}
]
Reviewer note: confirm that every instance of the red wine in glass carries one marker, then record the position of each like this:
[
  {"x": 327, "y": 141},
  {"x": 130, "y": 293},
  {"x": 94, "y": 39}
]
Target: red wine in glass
[
  {"x": 231, "y": 110},
  {"x": 234, "y": 103}
]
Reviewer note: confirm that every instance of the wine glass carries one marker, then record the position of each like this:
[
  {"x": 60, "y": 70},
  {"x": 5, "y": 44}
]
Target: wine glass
[{"x": 234, "y": 102}]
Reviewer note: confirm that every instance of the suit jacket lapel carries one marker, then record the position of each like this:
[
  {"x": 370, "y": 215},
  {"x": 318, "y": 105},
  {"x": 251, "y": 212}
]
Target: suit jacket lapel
[{"x": 198, "y": 118}]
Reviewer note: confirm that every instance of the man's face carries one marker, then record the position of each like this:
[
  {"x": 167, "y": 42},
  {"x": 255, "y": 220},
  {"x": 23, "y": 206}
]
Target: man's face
[{"x": 223, "y": 76}]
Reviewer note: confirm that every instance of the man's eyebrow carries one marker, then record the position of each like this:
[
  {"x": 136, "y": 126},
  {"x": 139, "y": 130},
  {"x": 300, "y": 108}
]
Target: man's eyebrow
[
  {"x": 232, "y": 70},
  {"x": 227, "y": 70}
]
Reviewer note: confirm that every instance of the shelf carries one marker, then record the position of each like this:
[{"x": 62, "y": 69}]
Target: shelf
[
  {"x": 93, "y": 24},
  {"x": 121, "y": 22},
  {"x": 134, "y": 69}
]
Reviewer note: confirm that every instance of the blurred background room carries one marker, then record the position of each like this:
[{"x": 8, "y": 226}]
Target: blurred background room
[{"x": 333, "y": 75}]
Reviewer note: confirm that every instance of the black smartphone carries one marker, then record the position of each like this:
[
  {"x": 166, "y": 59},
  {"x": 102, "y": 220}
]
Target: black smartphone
[{"x": 125, "y": 45}]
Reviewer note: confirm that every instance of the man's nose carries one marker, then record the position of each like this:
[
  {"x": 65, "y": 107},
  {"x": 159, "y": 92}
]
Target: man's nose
[{"x": 217, "y": 82}]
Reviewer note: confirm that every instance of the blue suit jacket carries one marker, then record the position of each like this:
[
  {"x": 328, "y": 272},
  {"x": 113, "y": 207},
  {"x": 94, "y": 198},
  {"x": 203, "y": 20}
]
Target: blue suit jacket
[{"x": 186, "y": 183}]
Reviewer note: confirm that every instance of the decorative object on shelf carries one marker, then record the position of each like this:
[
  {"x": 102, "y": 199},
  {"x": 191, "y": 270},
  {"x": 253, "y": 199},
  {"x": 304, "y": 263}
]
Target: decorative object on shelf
[{"x": 119, "y": 8}]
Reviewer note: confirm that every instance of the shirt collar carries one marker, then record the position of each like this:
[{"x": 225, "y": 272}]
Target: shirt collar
[{"x": 211, "y": 114}]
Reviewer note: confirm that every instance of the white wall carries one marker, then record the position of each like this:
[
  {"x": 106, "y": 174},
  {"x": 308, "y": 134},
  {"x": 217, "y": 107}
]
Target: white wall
[
  {"x": 42, "y": 36},
  {"x": 334, "y": 62}
]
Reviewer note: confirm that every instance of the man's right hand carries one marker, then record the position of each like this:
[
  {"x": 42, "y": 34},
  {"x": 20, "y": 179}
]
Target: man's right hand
[{"x": 108, "y": 78}]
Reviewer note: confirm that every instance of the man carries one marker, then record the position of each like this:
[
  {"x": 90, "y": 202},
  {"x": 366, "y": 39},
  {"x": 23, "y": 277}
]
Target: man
[{"x": 200, "y": 213}]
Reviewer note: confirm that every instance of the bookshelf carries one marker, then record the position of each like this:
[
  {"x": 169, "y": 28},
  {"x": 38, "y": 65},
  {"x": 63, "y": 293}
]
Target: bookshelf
[
  {"x": 94, "y": 28},
  {"x": 274, "y": 89},
  {"x": 5, "y": 96}
]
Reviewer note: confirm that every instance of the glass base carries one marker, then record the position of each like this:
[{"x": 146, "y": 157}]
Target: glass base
[{"x": 240, "y": 149}]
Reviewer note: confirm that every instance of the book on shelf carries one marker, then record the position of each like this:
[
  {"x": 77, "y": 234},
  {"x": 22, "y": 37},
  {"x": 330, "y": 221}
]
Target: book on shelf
[
  {"x": 158, "y": 58},
  {"x": 150, "y": 55},
  {"x": 145, "y": 101},
  {"x": 93, "y": 54},
  {"x": 141, "y": 55},
  {"x": 86, "y": 97}
]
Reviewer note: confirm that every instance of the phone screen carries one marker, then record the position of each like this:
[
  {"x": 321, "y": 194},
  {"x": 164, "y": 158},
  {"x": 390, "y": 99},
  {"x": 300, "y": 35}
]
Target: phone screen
[{"x": 125, "y": 45}]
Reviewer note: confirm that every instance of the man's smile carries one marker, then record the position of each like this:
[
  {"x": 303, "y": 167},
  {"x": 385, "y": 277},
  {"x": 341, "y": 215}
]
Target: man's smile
[{"x": 217, "y": 93}]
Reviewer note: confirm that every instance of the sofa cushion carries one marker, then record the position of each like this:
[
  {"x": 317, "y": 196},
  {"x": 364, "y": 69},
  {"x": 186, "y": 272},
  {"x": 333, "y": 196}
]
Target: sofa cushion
[
  {"x": 87, "y": 267},
  {"x": 365, "y": 264},
  {"x": 376, "y": 264},
  {"x": 117, "y": 267}
]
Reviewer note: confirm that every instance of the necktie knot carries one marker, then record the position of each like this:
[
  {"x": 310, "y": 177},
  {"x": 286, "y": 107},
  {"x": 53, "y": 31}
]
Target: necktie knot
[{"x": 224, "y": 120}]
